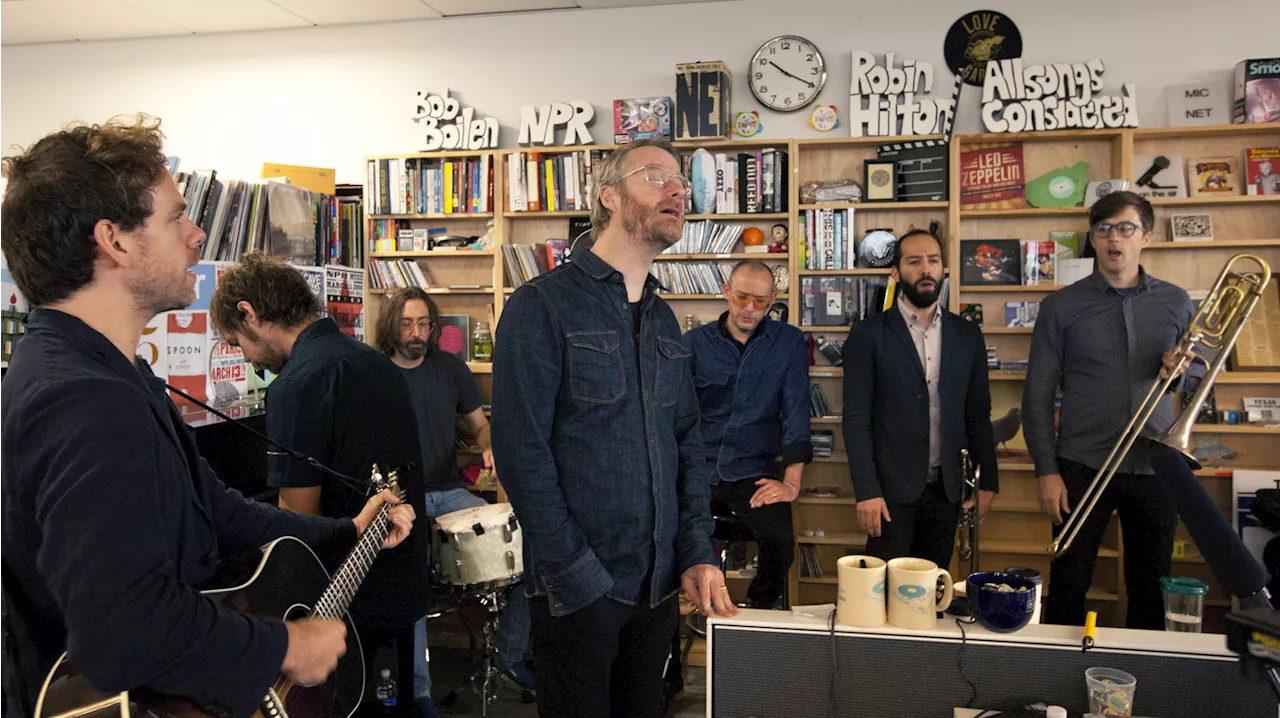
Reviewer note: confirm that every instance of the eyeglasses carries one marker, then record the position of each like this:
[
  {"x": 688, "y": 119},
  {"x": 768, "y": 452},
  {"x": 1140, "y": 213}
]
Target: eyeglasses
[
  {"x": 1103, "y": 230},
  {"x": 742, "y": 299},
  {"x": 660, "y": 178},
  {"x": 423, "y": 324}
]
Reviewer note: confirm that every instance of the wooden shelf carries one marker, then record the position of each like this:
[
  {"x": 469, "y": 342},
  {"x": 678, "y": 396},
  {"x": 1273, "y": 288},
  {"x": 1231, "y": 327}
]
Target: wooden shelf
[
  {"x": 1108, "y": 135},
  {"x": 437, "y": 290},
  {"x": 480, "y": 367},
  {"x": 879, "y": 206},
  {"x": 731, "y": 255},
  {"x": 1013, "y": 507},
  {"x": 834, "y": 538},
  {"x": 434, "y": 254},
  {"x": 1247, "y": 128},
  {"x": 435, "y": 215},
  {"x": 826, "y": 371},
  {"x": 1007, "y": 330},
  {"x": 836, "y": 458},
  {"x": 447, "y": 154},
  {"x": 716, "y": 144},
  {"x": 1006, "y": 375},
  {"x": 1234, "y": 429},
  {"x": 1029, "y": 549},
  {"x": 843, "y": 272},
  {"x": 557, "y": 213},
  {"x": 825, "y": 420},
  {"x": 1025, "y": 212},
  {"x": 1203, "y": 200},
  {"x": 825, "y": 329},
  {"x": 1015, "y": 466},
  {"x": 748, "y": 216},
  {"x": 737, "y": 576},
  {"x": 825, "y": 580},
  {"x": 1004, "y": 288},
  {"x": 1189, "y": 559},
  {"x": 1248, "y": 377},
  {"x": 827, "y": 501},
  {"x": 701, "y": 297},
  {"x": 833, "y": 143},
  {"x": 1216, "y": 244}
]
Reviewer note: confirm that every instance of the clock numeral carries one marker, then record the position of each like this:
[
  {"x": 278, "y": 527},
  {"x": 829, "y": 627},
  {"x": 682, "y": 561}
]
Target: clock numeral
[
  {"x": 759, "y": 75},
  {"x": 764, "y": 61},
  {"x": 786, "y": 46},
  {"x": 773, "y": 50},
  {"x": 788, "y": 101},
  {"x": 802, "y": 95},
  {"x": 813, "y": 71},
  {"x": 772, "y": 98},
  {"x": 809, "y": 57},
  {"x": 763, "y": 89}
]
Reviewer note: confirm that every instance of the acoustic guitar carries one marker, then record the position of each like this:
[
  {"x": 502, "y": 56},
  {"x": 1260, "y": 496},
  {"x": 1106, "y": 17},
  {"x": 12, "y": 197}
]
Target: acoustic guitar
[{"x": 282, "y": 580}]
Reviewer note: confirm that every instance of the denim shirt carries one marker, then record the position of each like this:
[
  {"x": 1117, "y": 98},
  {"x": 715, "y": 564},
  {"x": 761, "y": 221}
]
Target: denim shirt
[
  {"x": 595, "y": 435},
  {"x": 752, "y": 401}
]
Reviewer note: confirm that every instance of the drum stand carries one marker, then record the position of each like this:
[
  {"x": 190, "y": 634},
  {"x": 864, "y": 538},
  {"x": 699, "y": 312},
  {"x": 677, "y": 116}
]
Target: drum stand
[{"x": 488, "y": 677}]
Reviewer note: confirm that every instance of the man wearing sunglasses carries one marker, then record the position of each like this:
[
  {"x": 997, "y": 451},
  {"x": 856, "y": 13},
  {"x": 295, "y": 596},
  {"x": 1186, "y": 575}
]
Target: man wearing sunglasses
[
  {"x": 1104, "y": 340},
  {"x": 915, "y": 394},
  {"x": 595, "y": 435},
  {"x": 751, "y": 374}
]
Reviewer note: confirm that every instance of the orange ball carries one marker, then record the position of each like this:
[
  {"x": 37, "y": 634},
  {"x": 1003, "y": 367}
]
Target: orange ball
[{"x": 752, "y": 236}]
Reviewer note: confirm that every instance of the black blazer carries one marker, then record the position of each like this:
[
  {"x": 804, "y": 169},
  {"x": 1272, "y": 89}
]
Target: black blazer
[{"x": 886, "y": 408}]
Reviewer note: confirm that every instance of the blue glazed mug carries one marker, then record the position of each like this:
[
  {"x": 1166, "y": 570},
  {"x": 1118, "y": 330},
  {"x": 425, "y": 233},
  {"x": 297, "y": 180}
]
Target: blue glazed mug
[{"x": 1001, "y": 612}]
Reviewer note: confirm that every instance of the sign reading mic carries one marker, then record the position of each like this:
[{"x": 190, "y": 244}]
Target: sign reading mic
[{"x": 1053, "y": 97}]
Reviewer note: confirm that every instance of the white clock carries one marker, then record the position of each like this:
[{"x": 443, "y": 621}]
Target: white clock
[{"x": 787, "y": 73}]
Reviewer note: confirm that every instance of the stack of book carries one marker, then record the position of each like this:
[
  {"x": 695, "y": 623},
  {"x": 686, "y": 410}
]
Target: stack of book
[
  {"x": 551, "y": 182},
  {"x": 410, "y": 185}
]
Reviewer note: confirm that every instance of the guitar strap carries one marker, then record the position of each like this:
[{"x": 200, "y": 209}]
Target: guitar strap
[{"x": 12, "y": 678}]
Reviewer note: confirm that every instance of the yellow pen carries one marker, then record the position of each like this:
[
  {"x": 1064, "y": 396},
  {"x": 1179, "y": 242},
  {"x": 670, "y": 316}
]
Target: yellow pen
[{"x": 1090, "y": 630}]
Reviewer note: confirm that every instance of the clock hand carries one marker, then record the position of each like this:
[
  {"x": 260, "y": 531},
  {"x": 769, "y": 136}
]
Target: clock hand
[{"x": 788, "y": 74}]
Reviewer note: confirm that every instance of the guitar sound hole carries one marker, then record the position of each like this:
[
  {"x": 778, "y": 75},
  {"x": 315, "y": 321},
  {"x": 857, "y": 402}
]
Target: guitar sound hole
[{"x": 297, "y": 612}]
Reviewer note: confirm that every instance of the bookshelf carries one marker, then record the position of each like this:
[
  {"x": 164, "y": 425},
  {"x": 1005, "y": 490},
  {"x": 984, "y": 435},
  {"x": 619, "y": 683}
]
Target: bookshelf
[{"x": 1016, "y": 533}]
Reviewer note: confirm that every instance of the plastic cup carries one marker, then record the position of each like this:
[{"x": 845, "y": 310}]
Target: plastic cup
[
  {"x": 1183, "y": 603},
  {"x": 1110, "y": 691}
]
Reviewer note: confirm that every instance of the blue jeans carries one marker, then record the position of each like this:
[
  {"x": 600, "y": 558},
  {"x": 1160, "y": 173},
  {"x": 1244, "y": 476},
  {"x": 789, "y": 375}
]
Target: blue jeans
[{"x": 513, "y": 630}]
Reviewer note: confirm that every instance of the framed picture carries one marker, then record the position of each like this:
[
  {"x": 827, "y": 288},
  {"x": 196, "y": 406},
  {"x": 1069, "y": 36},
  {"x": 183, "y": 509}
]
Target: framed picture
[
  {"x": 455, "y": 334},
  {"x": 880, "y": 180},
  {"x": 1191, "y": 228},
  {"x": 1213, "y": 176},
  {"x": 990, "y": 261}
]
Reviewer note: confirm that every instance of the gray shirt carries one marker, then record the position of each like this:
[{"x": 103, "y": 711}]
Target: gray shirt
[{"x": 1103, "y": 347}]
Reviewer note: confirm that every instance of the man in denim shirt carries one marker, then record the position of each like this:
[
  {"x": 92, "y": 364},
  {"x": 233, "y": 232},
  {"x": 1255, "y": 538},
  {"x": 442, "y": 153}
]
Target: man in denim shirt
[
  {"x": 752, "y": 378},
  {"x": 595, "y": 434}
]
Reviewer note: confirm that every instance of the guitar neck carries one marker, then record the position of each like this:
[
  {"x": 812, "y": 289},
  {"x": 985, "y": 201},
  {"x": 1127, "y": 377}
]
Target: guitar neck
[{"x": 349, "y": 576}]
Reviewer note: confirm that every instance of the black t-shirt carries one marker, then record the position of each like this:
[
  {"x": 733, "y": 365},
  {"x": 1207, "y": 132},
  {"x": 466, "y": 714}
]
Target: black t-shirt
[
  {"x": 441, "y": 388},
  {"x": 635, "y": 316},
  {"x": 344, "y": 403}
]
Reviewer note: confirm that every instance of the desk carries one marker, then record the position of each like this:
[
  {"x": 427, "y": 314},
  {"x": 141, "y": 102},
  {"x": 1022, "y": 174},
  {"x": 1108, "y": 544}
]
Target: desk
[{"x": 775, "y": 663}]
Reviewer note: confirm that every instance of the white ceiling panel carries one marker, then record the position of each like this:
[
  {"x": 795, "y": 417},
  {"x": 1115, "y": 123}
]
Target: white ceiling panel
[
  {"x": 204, "y": 16},
  {"x": 450, "y": 8},
  {"x": 15, "y": 31},
  {"x": 90, "y": 19},
  {"x": 339, "y": 12},
  {"x": 595, "y": 4}
]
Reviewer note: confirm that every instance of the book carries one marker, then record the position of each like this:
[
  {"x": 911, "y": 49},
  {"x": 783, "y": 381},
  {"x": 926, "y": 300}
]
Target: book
[
  {"x": 1021, "y": 314},
  {"x": 990, "y": 261},
  {"x": 1039, "y": 262},
  {"x": 1067, "y": 243},
  {"x": 993, "y": 177},
  {"x": 1213, "y": 176},
  {"x": 1262, "y": 170}
]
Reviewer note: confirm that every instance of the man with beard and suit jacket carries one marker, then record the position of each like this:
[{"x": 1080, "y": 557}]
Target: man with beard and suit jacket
[{"x": 915, "y": 394}]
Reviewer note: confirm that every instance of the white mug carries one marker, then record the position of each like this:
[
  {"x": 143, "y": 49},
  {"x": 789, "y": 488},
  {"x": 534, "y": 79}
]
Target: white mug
[
  {"x": 860, "y": 600},
  {"x": 912, "y": 585}
]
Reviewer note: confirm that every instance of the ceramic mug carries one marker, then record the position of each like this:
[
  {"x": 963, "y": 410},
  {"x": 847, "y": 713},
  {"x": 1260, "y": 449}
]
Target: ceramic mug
[
  {"x": 912, "y": 586},
  {"x": 860, "y": 601}
]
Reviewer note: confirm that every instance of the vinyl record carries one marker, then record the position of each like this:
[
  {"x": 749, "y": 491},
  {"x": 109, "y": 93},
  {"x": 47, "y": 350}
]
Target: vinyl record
[
  {"x": 875, "y": 251},
  {"x": 977, "y": 38}
]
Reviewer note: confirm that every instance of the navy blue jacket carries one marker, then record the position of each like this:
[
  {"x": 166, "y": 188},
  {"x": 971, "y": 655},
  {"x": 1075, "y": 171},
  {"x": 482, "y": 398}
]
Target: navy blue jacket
[
  {"x": 753, "y": 401},
  {"x": 111, "y": 517},
  {"x": 595, "y": 435}
]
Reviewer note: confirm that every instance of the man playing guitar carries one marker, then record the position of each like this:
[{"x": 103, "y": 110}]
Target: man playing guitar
[{"x": 111, "y": 517}]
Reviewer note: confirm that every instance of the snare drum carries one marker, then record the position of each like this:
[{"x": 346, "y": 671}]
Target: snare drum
[{"x": 479, "y": 549}]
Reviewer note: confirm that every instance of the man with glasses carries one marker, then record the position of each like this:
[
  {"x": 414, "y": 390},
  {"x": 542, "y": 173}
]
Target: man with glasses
[
  {"x": 915, "y": 394},
  {"x": 444, "y": 395},
  {"x": 752, "y": 378},
  {"x": 595, "y": 432},
  {"x": 1104, "y": 340}
]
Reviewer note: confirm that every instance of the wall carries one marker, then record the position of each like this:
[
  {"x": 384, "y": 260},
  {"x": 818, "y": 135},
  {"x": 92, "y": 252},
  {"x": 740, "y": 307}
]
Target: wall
[{"x": 328, "y": 96}]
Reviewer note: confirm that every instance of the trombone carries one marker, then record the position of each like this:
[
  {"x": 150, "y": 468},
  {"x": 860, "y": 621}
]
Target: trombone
[
  {"x": 1217, "y": 325},
  {"x": 969, "y": 518}
]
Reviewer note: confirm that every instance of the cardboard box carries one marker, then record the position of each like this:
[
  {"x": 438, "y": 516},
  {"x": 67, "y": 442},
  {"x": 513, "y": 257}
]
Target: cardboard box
[
  {"x": 641, "y": 118},
  {"x": 702, "y": 100},
  {"x": 1257, "y": 91}
]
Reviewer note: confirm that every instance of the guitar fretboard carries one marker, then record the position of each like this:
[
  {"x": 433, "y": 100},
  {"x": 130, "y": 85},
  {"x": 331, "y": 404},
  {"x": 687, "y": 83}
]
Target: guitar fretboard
[{"x": 347, "y": 580}]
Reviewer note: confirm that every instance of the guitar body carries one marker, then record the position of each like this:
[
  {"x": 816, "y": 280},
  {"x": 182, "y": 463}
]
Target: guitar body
[{"x": 281, "y": 580}]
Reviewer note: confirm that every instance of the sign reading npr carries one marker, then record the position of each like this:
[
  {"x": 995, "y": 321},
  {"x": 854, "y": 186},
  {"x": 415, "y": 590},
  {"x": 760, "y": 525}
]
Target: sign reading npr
[{"x": 1202, "y": 103}]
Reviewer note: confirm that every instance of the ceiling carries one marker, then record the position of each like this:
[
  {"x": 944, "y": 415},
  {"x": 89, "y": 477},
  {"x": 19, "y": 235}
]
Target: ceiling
[{"x": 24, "y": 22}]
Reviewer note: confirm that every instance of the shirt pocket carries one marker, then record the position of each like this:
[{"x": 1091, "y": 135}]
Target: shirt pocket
[
  {"x": 595, "y": 367},
  {"x": 715, "y": 392},
  {"x": 672, "y": 365}
]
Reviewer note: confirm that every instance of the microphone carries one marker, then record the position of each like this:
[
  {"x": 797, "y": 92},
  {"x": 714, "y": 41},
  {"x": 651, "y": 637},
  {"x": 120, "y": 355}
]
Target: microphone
[
  {"x": 1158, "y": 165},
  {"x": 1232, "y": 564}
]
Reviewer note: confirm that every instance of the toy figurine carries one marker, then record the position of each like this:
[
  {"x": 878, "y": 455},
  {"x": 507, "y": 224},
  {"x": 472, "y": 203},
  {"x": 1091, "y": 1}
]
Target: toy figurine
[{"x": 779, "y": 234}]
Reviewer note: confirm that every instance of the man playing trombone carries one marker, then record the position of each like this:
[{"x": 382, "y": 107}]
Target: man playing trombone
[{"x": 1105, "y": 340}]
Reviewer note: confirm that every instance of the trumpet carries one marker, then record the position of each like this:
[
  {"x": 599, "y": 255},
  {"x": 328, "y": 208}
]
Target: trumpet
[
  {"x": 969, "y": 518},
  {"x": 1217, "y": 324}
]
